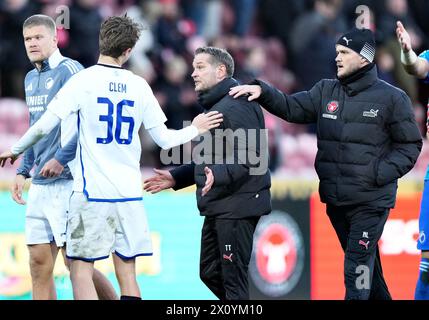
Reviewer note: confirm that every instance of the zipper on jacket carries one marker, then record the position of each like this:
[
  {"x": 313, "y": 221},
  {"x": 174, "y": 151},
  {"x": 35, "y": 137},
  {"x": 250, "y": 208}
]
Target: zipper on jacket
[{"x": 342, "y": 94}]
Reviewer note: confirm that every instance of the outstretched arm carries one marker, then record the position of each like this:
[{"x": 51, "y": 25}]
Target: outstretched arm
[
  {"x": 300, "y": 107},
  {"x": 161, "y": 181},
  {"x": 168, "y": 138},
  {"x": 40, "y": 129},
  {"x": 176, "y": 178},
  {"x": 252, "y": 91},
  {"x": 413, "y": 64}
]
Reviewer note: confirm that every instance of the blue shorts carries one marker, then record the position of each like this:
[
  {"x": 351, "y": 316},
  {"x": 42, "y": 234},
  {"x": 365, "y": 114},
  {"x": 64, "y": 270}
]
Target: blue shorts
[{"x": 423, "y": 241}]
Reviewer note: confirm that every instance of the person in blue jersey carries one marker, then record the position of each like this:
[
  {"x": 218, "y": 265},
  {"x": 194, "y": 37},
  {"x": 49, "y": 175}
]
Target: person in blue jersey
[
  {"x": 106, "y": 212},
  {"x": 419, "y": 67},
  {"x": 45, "y": 221}
]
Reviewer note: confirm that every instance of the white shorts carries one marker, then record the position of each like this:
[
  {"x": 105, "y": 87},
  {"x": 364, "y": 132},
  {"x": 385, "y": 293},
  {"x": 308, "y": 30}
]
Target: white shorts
[
  {"x": 46, "y": 214},
  {"x": 95, "y": 229}
]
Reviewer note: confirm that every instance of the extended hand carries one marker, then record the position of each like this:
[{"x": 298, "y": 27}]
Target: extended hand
[
  {"x": 7, "y": 155},
  {"x": 209, "y": 181},
  {"x": 254, "y": 91},
  {"x": 403, "y": 37},
  {"x": 51, "y": 169},
  {"x": 161, "y": 181},
  {"x": 206, "y": 121}
]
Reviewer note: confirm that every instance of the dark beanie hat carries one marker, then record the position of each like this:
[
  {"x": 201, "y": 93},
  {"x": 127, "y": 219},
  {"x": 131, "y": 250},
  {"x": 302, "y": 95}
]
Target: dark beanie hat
[{"x": 361, "y": 41}]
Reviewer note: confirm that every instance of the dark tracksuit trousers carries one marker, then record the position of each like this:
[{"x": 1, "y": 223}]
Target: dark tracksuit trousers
[
  {"x": 359, "y": 228},
  {"x": 226, "y": 248}
]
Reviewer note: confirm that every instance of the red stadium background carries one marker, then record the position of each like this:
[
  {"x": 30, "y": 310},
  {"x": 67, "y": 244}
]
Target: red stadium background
[{"x": 400, "y": 258}]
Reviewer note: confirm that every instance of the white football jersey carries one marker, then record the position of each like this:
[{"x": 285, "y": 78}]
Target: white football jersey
[{"x": 111, "y": 104}]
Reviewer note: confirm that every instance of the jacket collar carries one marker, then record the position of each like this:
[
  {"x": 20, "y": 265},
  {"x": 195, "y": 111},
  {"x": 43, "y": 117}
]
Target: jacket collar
[
  {"x": 360, "y": 80},
  {"x": 53, "y": 61},
  {"x": 210, "y": 97}
]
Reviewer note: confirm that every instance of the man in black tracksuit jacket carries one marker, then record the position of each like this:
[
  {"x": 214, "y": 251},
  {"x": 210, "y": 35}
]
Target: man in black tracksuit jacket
[
  {"x": 367, "y": 139},
  {"x": 232, "y": 190}
]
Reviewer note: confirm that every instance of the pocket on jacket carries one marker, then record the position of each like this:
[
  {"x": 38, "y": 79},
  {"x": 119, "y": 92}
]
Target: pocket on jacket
[{"x": 368, "y": 175}]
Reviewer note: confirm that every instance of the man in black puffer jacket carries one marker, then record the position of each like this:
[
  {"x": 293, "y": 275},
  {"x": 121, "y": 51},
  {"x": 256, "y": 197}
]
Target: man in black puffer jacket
[
  {"x": 367, "y": 140},
  {"x": 231, "y": 175}
]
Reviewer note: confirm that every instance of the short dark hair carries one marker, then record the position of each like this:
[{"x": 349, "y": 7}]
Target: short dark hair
[
  {"x": 219, "y": 56},
  {"x": 40, "y": 20},
  {"x": 118, "y": 34}
]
